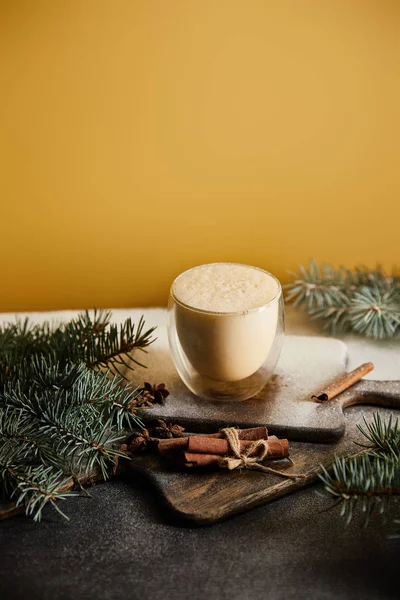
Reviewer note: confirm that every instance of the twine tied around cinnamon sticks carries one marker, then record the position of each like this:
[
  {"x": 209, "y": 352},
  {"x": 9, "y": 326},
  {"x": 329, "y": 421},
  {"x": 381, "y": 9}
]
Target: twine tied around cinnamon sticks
[
  {"x": 250, "y": 457},
  {"x": 230, "y": 449}
]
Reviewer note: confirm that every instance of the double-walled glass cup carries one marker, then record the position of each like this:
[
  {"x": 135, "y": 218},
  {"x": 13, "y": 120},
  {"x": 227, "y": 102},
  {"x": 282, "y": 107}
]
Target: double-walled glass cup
[{"x": 226, "y": 355}]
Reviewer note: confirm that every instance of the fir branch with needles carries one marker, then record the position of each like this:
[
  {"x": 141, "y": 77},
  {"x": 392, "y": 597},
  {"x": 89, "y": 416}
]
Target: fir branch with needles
[
  {"x": 362, "y": 300},
  {"x": 370, "y": 480},
  {"x": 63, "y": 408}
]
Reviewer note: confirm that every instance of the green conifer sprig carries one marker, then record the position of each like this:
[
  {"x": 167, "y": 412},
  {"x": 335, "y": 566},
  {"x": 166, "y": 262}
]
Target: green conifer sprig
[
  {"x": 363, "y": 301},
  {"x": 372, "y": 479},
  {"x": 63, "y": 407},
  {"x": 383, "y": 436}
]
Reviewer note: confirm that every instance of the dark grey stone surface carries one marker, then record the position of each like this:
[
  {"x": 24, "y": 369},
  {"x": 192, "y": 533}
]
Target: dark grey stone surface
[{"x": 119, "y": 544}]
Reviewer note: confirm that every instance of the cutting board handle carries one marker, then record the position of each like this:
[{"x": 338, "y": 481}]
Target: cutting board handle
[{"x": 368, "y": 391}]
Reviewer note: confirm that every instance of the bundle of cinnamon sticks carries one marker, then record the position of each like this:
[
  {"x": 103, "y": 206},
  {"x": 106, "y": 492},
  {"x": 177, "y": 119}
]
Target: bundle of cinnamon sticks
[{"x": 207, "y": 450}]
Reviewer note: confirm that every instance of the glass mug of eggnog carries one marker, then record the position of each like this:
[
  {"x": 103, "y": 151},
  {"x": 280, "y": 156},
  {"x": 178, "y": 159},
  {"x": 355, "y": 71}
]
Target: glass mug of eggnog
[{"x": 225, "y": 329}]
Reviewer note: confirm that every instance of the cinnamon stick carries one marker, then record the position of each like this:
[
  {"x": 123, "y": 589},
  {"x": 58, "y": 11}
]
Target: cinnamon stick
[
  {"x": 210, "y": 450},
  {"x": 280, "y": 449},
  {"x": 253, "y": 433},
  {"x": 203, "y": 445},
  {"x": 201, "y": 460},
  {"x": 343, "y": 383},
  {"x": 177, "y": 444},
  {"x": 172, "y": 445},
  {"x": 206, "y": 449}
]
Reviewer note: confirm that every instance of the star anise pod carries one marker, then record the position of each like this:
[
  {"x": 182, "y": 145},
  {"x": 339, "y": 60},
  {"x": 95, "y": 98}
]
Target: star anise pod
[
  {"x": 158, "y": 392},
  {"x": 138, "y": 442},
  {"x": 166, "y": 431}
]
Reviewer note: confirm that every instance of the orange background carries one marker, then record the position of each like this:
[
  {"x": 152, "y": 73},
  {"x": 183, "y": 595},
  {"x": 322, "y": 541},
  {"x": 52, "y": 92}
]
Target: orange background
[{"x": 140, "y": 138}]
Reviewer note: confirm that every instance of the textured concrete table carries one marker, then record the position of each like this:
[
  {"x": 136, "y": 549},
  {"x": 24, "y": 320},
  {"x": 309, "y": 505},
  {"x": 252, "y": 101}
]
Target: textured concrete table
[{"x": 119, "y": 545}]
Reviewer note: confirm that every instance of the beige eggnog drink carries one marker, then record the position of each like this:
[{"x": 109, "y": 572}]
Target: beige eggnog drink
[{"x": 226, "y": 319}]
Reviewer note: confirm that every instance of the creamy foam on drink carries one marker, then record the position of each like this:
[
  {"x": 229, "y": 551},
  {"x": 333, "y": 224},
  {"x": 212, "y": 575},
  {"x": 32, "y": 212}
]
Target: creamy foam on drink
[{"x": 233, "y": 337}]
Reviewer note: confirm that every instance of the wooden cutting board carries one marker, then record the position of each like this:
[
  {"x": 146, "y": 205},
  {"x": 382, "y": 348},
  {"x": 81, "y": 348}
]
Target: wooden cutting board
[
  {"x": 285, "y": 406},
  {"x": 306, "y": 365},
  {"x": 204, "y": 497}
]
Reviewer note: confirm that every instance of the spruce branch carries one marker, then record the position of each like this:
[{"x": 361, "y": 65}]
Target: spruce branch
[
  {"x": 363, "y": 301},
  {"x": 368, "y": 480},
  {"x": 63, "y": 407},
  {"x": 383, "y": 436},
  {"x": 32, "y": 483},
  {"x": 371, "y": 479},
  {"x": 375, "y": 312}
]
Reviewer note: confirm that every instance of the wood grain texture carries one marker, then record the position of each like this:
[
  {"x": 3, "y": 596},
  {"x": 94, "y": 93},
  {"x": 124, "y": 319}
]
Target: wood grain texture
[{"x": 204, "y": 497}]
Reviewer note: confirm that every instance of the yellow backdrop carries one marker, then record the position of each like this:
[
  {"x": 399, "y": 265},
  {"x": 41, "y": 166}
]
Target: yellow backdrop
[{"x": 139, "y": 138}]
